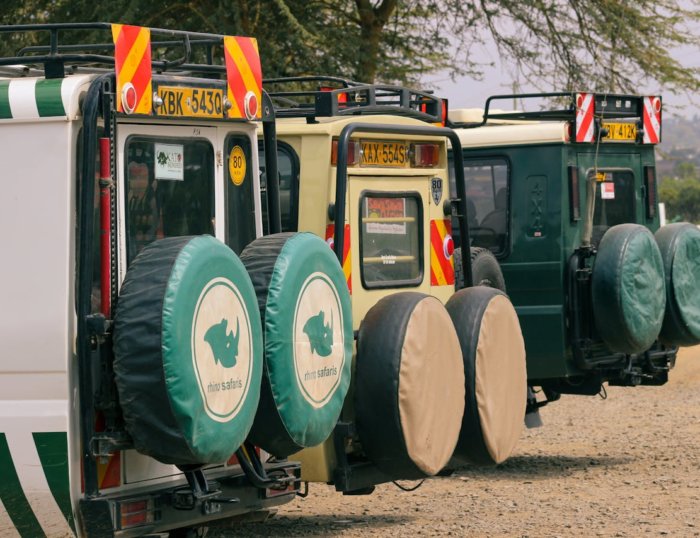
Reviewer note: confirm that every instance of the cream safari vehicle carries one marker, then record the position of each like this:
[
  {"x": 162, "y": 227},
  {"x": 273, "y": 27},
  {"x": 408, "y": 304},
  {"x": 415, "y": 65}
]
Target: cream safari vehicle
[
  {"x": 438, "y": 373},
  {"x": 136, "y": 341}
]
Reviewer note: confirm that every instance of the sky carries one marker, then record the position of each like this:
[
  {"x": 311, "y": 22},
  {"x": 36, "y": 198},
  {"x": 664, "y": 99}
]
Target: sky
[{"x": 465, "y": 92}]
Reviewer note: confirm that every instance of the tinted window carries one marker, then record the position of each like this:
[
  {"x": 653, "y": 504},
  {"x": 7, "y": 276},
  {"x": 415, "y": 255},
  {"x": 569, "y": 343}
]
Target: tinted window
[
  {"x": 240, "y": 202},
  {"x": 390, "y": 241},
  {"x": 487, "y": 202},
  {"x": 169, "y": 190},
  {"x": 288, "y": 172},
  {"x": 615, "y": 201}
]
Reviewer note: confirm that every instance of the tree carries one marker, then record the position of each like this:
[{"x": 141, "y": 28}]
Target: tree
[
  {"x": 600, "y": 45},
  {"x": 681, "y": 194}
]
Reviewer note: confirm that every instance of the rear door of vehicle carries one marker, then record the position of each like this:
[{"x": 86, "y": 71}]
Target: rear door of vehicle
[{"x": 389, "y": 213}]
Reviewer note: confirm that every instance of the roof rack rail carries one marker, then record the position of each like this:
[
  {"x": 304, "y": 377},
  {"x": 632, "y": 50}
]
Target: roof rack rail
[
  {"x": 324, "y": 96},
  {"x": 605, "y": 105},
  {"x": 54, "y": 55}
]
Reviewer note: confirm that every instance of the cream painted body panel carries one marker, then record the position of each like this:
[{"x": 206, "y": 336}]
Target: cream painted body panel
[
  {"x": 317, "y": 185},
  {"x": 519, "y": 133}
]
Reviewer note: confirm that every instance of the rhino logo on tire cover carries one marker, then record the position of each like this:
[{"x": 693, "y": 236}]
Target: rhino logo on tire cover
[
  {"x": 320, "y": 335},
  {"x": 223, "y": 343}
]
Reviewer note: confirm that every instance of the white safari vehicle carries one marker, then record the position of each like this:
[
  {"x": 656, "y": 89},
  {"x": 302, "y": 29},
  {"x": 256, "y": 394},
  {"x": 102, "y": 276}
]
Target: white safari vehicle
[{"x": 133, "y": 350}]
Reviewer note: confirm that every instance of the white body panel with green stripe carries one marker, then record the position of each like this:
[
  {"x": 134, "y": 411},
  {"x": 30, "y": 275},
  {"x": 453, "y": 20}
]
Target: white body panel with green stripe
[
  {"x": 37, "y": 315},
  {"x": 40, "y": 458}
]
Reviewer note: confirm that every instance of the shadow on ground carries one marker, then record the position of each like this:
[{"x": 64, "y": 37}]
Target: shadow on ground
[
  {"x": 540, "y": 467},
  {"x": 317, "y": 525}
]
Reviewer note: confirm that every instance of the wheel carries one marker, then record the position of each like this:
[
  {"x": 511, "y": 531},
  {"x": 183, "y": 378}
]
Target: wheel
[
  {"x": 485, "y": 269},
  {"x": 493, "y": 352},
  {"x": 680, "y": 250},
  {"x": 628, "y": 289},
  {"x": 187, "y": 351},
  {"x": 307, "y": 323},
  {"x": 409, "y": 386}
]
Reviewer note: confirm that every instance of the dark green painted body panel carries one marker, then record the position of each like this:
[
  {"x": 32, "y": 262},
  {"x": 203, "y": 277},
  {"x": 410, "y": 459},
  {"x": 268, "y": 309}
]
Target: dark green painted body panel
[
  {"x": 543, "y": 237},
  {"x": 12, "y": 495}
]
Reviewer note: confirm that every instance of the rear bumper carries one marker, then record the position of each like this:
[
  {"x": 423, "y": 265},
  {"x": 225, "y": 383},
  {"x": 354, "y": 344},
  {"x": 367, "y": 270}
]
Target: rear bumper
[{"x": 171, "y": 506}]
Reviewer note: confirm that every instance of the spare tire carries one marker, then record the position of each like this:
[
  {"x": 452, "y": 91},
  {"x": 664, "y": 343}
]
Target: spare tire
[
  {"x": 187, "y": 351},
  {"x": 409, "y": 385},
  {"x": 485, "y": 269},
  {"x": 307, "y": 322},
  {"x": 680, "y": 249},
  {"x": 495, "y": 374},
  {"x": 628, "y": 289}
]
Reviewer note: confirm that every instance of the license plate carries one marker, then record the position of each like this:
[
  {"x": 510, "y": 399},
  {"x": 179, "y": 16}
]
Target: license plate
[
  {"x": 384, "y": 153},
  {"x": 620, "y": 131},
  {"x": 191, "y": 102}
]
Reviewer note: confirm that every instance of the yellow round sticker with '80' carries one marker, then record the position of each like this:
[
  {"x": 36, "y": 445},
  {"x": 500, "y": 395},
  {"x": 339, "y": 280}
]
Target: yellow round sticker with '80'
[{"x": 237, "y": 165}]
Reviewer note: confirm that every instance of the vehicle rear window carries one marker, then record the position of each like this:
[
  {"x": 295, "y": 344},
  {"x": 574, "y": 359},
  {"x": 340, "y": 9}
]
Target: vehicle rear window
[
  {"x": 391, "y": 239},
  {"x": 169, "y": 189},
  {"x": 487, "y": 202},
  {"x": 615, "y": 201},
  {"x": 288, "y": 172},
  {"x": 240, "y": 194}
]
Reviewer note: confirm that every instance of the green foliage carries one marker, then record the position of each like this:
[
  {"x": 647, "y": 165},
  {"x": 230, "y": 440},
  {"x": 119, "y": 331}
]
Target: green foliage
[
  {"x": 681, "y": 194},
  {"x": 601, "y": 45}
]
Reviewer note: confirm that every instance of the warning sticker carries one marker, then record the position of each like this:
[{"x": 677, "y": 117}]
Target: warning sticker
[
  {"x": 607, "y": 190},
  {"x": 385, "y": 215},
  {"x": 237, "y": 165}
]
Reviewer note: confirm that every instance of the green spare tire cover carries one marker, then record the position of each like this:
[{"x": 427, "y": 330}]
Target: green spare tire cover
[
  {"x": 680, "y": 249},
  {"x": 628, "y": 289},
  {"x": 187, "y": 351},
  {"x": 408, "y": 385},
  {"x": 307, "y": 322}
]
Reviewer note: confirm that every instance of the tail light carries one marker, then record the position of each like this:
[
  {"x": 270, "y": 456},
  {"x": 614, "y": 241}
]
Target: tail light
[
  {"x": 135, "y": 513},
  {"x": 444, "y": 112},
  {"x": 353, "y": 153},
  {"x": 425, "y": 155},
  {"x": 650, "y": 188},
  {"x": 342, "y": 97},
  {"x": 574, "y": 197}
]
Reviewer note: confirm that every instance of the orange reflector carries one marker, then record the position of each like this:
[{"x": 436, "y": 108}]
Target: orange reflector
[
  {"x": 134, "y": 513},
  {"x": 353, "y": 153},
  {"x": 425, "y": 155}
]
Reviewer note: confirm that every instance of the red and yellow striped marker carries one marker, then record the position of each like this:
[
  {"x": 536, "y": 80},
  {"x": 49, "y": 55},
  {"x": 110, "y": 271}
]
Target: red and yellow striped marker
[
  {"x": 441, "y": 248},
  {"x": 347, "y": 265},
  {"x": 244, "y": 77},
  {"x": 585, "y": 110},
  {"x": 132, "y": 63}
]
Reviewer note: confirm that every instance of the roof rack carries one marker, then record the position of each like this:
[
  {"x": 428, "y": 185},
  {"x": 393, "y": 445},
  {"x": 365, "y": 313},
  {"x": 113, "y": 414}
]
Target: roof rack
[
  {"x": 608, "y": 106},
  {"x": 323, "y": 96},
  {"x": 53, "y": 56}
]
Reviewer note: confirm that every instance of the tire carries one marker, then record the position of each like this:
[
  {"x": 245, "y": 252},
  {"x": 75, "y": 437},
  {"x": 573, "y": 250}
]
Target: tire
[
  {"x": 308, "y": 338},
  {"x": 628, "y": 289},
  {"x": 495, "y": 374},
  {"x": 485, "y": 269},
  {"x": 409, "y": 386},
  {"x": 680, "y": 250},
  {"x": 188, "y": 378}
]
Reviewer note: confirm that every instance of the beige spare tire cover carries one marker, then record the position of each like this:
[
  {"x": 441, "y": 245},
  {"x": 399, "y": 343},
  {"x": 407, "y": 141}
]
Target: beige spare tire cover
[
  {"x": 409, "y": 396},
  {"x": 495, "y": 374}
]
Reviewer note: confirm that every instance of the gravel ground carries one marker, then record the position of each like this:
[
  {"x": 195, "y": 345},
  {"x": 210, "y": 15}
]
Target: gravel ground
[{"x": 626, "y": 466}]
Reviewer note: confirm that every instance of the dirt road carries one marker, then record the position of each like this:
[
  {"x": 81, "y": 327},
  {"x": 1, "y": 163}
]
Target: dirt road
[{"x": 626, "y": 466}]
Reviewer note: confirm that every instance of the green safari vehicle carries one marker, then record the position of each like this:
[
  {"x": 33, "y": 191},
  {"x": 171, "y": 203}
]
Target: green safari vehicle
[{"x": 565, "y": 199}]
